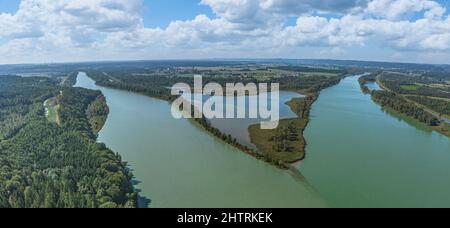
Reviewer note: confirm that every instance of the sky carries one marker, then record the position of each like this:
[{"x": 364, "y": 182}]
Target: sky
[{"x": 48, "y": 31}]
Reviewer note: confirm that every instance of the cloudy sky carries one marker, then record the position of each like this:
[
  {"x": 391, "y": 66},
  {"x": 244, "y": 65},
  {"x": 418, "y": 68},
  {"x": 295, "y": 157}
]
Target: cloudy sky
[{"x": 44, "y": 31}]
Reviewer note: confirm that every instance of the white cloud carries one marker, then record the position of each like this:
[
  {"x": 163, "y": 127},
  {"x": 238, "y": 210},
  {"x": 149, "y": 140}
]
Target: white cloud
[
  {"x": 66, "y": 30},
  {"x": 37, "y": 17},
  {"x": 298, "y": 7},
  {"x": 399, "y": 9}
]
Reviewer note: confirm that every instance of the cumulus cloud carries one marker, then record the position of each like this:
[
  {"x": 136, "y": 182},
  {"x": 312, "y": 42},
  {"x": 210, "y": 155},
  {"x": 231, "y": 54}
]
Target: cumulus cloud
[
  {"x": 36, "y": 18},
  {"x": 421, "y": 35},
  {"x": 260, "y": 13},
  {"x": 67, "y": 30},
  {"x": 399, "y": 9},
  {"x": 297, "y": 7}
]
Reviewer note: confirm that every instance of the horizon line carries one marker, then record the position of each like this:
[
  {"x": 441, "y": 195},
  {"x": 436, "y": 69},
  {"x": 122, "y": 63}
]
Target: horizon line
[{"x": 223, "y": 59}]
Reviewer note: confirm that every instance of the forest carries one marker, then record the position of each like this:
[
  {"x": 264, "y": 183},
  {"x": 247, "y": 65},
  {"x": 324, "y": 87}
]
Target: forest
[
  {"x": 399, "y": 98},
  {"x": 157, "y": 85},
  {"x": 151, "y": 86},
  {"x": 284, "y": 145},
  {"x": 442, "y": 107},
  {"x": 70, "y": 80},
  {"x": 415, "y": 85},
  {"x": 44, "y": 165},
  {"x": 306, "y": 69},
  {"x": 396, "y": 102}
]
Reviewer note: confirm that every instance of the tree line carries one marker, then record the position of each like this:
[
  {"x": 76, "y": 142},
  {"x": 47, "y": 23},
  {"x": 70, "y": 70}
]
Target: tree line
[
  {"x": 157, "y": 85},
  {"x": 396, "y": 102},
  {"x": 424, "y": 86},
  {"x": 46, "y": 165},
  {"x": 440, "y": 106}
]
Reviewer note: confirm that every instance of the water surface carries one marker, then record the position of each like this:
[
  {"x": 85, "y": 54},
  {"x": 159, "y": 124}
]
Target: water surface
[
  {"x": 360, "y": 155},
  {"x": 238, "y": 127},
  {"x": 373, "y": 86},
  {"x": 179, "y": 165}
]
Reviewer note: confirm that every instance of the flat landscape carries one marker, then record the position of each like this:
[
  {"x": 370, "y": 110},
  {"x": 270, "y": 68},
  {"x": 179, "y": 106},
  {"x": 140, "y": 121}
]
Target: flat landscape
[
  {"x": 58, "y": 103},
  {"x": 244, "y": 105}
]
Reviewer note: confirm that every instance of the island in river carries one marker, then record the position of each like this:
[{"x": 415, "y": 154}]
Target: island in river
[
  {"x": 177, "y": 164},
  {"x": 358, "y": 167},
  {"x": 280, "y": 147},
  {"x": 286, "y": 143},
  {"x": 358, "y": 154}
]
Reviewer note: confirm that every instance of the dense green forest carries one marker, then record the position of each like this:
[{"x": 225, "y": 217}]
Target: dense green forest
[
  {"x": 404, "y": 85},
  {"x": 307, "y": 84},
  {"x": 415, "y": 85},
  {"x": 440, "y": 106},
  {"x": 151, "y": 86},
  {"x": 396, "y": 102},
  {"x": 398, "y": 96},
  {"x": 97, "y": 113},
  {"x": 443, "y": 76},
  {"x": 70, "y": 80},
  {"x": 46, "y": 165},
  {"x": 306, "y": 69},
  {"x": 157, "y": 85},
  {"x": 17, "y": 100}
]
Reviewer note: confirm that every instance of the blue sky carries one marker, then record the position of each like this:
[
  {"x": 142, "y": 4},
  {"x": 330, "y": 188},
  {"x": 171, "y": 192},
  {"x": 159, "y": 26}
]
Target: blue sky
[
  {"x": 156, "y": 13},
  {"x": 84, "y": 30},
  {"x": 9, "y": 6},
  {"x": 159, "y": 13}
]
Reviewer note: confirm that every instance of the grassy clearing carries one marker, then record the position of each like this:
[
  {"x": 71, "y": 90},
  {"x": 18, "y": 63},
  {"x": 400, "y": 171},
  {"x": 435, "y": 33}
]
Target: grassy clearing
[
  {"x": 410, "y": 87},
  {"x": 51, "y": 108},
  {"x": 286, "y": 143}
]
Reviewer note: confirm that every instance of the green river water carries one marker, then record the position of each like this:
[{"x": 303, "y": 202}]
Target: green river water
[
  {"x": 358, "y": 155},
  {"x": 177, "y": 164}
]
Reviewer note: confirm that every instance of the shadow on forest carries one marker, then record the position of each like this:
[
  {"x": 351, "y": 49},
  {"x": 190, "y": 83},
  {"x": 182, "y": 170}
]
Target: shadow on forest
[
  {"x": 402, "y": 118},
  {"x": 142, "y": 201}
]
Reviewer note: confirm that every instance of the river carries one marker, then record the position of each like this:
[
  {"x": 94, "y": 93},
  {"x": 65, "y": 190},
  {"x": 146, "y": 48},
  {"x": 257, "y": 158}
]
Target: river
[
  {"x": 177, "y": 164},
  {"x": 360, "y": 155},
  {"x": 238, "y": 127}
]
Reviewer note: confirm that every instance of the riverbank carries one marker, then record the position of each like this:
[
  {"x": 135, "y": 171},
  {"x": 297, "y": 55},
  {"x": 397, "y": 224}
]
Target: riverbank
[
  {"x": 258, "y": 137},
  {"x": 209, "y": 173},
  {"x": 360, "y": 155},
  {"x": 286, "y": 144},
  {"x": 293, "y": 152},
  {"x": 440, "y": 126}
]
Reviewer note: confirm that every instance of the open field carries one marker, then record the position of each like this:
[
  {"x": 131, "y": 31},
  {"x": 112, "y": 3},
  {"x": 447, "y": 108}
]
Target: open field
[
  {"x": 410, "y": 87},
  {"x": 51, "y": 110}
]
